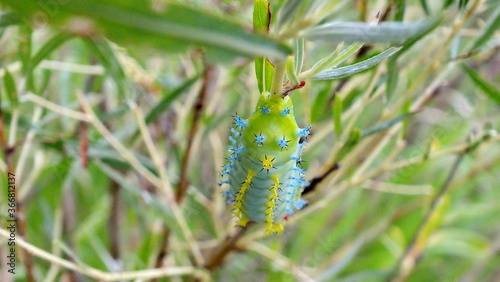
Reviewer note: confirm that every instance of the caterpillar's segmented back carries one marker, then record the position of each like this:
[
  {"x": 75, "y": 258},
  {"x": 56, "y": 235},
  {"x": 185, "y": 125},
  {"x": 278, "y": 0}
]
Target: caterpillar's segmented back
[{"x": 264, "y": 171}]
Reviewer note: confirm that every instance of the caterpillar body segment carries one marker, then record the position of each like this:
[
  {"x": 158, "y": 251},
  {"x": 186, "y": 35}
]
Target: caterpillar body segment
[{"x": 263, "y": 171}]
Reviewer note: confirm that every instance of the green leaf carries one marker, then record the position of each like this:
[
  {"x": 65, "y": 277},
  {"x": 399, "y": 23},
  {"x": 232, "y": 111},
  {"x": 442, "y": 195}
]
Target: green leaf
[
  {"x": 488, "y": 89},
  {"x": 333, "y": 60},
  {"x": 261, "y": 16},
  {"x": 106, "y": 55},
  {"x": 264, "y": 70},
  {"x": 10, "y": 88},
  {"x": 290, "y": 71},
  {"x": 9, "y": 18},
  {"x": 319, "y": 107},
  {"x": 51, "y": 45},
  {"x": 392, "y": 64},
  {"x": 491, "y": 26},
  {"x": 385, "y": 125},
  {"x": 346, "y": 71},
  {"x": 337, "y": 115},
  {"x": 288, "y": 10},
  {"x": 299, "y": 54},
  {"x": 385, "y": 32},
  {"x": 165, "y": 102},
  {"x": 174, "y": 28},
  {"x": 352, "y": 141}
]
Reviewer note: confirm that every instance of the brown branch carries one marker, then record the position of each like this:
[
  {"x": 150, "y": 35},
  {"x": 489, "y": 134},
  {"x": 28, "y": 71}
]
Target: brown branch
[
  {"x": 226, "y": 246},
  {"x": 318, "y": 179},
  {"x": 114, "y": 219},
  {"x": 8, "y": 153},
  {"x": 209, "y": 80}
]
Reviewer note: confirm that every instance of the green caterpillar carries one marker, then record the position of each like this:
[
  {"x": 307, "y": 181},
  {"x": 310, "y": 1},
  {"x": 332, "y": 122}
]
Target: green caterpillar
[{"x": 264, "y": 171}]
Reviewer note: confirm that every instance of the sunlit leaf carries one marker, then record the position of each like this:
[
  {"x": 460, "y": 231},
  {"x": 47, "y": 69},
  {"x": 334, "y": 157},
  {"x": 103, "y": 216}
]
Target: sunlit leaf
[
  {"x": 487, "y": 88},
  {"x": 175, "y": 27},
  {"x": 346, "y": 71},
  {"x": 264, "y": 70},
  {"x": 385, "y": 125},
  {"x": 385, "y": 32}
]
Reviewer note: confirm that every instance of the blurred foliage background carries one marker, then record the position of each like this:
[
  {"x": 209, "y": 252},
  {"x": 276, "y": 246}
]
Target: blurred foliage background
[{"x": 115, "y": 116}]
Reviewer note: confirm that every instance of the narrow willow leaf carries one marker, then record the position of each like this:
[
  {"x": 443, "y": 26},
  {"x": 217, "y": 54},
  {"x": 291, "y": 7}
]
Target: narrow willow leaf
[
  {"x": 264, "y": 70},
  {"x": 165, "y": 102},
  {"x": 400, "y": 11},
  {"x": 337, "y": 115},
  {"x": 10, "y": 88},
  {"x": 385, "y": 125},
  {"x": 491, "y": 26},
  {"x": 488, "y": 89},
  {"x": 392, "y": 64},
  {"x": 9, "y": 18},
  {"x": 352, "y": 141},
  {"x": 288, "y": 11},
  {"x": 290, "y": 71},
  {"x": 385, "y": 32},
  {"x": 346, "y": 71},
  {"x": 459, "y": 242},
  {"x": 175, "y": 28},
  {"x": 332, "y": 60},
  {"x": 108, "y": 59},
  {"x": 299, "y": 54},
  {"x": 51, "y": 45},
  {"x": 261, "y": 16},
  {"x": 387, "y": 187}
]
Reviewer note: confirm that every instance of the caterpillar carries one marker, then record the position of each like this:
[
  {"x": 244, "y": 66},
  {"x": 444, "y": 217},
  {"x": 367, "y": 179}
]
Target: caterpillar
[{"x": 263, "y": 170}]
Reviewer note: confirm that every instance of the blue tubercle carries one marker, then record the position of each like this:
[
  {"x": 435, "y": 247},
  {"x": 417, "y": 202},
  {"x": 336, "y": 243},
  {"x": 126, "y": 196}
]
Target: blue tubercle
[
  {"x": 265, "y": 110},
  {"x": 239, "y": 122},
  {"x": 300, "y": 204},
  {"x": 236, "y": 150},
  {"x": 285, "y": 112},
  {"x": 235, "y": 132},
  {"x": 223, "y": 182},
  {"x": 283, "y": 143},
  {"x": 259, "y": 139},
  {"x": 304, "y": 131}
]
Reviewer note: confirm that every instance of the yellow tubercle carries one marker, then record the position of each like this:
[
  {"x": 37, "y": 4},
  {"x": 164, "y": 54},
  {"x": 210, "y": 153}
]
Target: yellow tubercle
[
  {"x": 238, "y": 206},
  {"x": 243, "y": 221},
  {"x": 267, "y": 163},
  {"x": 271, "y": 204}
]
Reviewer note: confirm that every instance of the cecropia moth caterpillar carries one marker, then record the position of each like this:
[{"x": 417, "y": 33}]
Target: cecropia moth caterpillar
[{"x": 263, "y": 171}]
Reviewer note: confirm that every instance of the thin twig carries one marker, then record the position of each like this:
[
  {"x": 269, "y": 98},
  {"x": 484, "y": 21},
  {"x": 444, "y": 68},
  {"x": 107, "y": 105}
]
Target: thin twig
[
  {"x": 414, "y": 250},
  {"x": 209, "y": 80},
  {"x": 21, "y": 220},
  {"x": 100, "y": 275},
  {"x": 280, "y": 260},
  {"x": 166, "y": 185}
]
